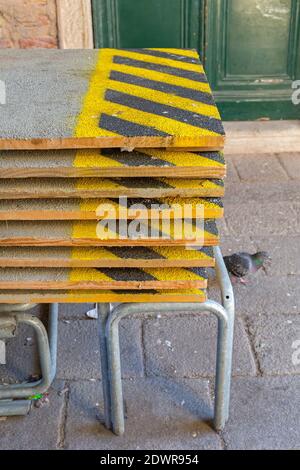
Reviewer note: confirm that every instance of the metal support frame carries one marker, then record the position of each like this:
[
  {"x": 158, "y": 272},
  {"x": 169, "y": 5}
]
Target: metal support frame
[
  {"x": 109, "y": 316},
  {"x": 108, "y": 323},
  {"x": 11, "y": 395}
]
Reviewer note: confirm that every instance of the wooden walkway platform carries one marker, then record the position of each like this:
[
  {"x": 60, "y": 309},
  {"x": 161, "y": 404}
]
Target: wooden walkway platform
[{"x": 107, "y": 98}]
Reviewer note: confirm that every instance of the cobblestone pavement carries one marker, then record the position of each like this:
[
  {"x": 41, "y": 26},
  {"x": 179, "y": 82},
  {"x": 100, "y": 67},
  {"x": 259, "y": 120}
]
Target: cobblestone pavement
[{"x": 168, "y": 362}]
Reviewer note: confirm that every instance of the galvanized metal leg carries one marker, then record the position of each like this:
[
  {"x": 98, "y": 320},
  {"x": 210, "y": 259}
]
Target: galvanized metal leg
[
  {"x": 103, "y": 313},
  {"x": 223, "y": 353},
  {"x": 47, "y": 355},
  {"x": 225, "y": 315},
  {"x": 228, "y": 304}
]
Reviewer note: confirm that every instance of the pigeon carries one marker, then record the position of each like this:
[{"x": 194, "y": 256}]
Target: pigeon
[{"x": 241, "y": 264}]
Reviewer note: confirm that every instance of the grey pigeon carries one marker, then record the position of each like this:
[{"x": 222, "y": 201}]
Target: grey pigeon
[{"x": 241, "y": 264}]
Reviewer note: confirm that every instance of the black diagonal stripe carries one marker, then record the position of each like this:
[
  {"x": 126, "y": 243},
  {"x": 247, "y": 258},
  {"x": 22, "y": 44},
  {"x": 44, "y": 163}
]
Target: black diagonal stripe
[
  {"x": 135, "y": 252},
  {"x": 124, "y": 274},
  {"x": 199, "y": 271},
  {"x": 128, "y": 128},
  {"x": 218, "y": 182},
  {"x": 166, "y": 55},
  {"x": 143, "y": 183},
  {"x": 134, "y": 158},
  {"x": 168, "y": 112},
  {"x": 207, "y": 250},
  {"x": 195, "y": 76},
  {"x": 215, "y": 156},
  {"x": 216, "y": 200},
  {"x": 146, "y": 202},
  {"x": 176, "y": 90},
  {"x": 210, "y": 226}
]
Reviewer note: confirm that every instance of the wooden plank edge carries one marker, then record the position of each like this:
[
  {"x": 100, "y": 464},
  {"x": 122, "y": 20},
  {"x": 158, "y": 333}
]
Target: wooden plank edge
[{"x": 203, "y": 143}]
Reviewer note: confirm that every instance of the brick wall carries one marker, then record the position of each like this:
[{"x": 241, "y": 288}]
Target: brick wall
[{"x": 28, "y": 23}]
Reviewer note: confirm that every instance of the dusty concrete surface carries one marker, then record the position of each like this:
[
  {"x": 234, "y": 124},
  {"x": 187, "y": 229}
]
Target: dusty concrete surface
[{"x": 168, "y": 361}]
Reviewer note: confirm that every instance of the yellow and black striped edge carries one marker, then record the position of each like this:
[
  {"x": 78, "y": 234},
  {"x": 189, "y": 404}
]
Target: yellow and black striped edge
[
  {"x": 113, "y": 257},
  {"x": 97, "y": 209},
  {"x": 37, "y": 188},
  {"x": 75, "y": 296},
  {"x": 112, "y": 98},
  {"x": 103, "y": 278},
  {"x": 151, "y": 93},
  {"x": 119, "y": 233},
  {"x": 111, "y": 163}
]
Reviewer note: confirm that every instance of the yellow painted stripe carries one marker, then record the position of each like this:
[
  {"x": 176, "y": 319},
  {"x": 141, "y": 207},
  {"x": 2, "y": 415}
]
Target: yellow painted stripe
[
  {"x": 162, "y": 123},
  {"x": 87, "y": 274},
  {"x": 162, "y": 77},
  {"x": 183, "y": 158},
  {"x": 90, "y": 253},
  {"x": 165, "y": 98},
  {"x": 88, "y": 119},
  {"x": 157, "y": 60},
  {"x": 160, "y": 274},
  {"x": 170, "y": 253},
  {"x": 94, "y": 104},
  {"x": 90, "y": 158},
  {"x": 180, "y": 252},
  {"x": 173, "y": 274},
  {"x": 185, "y": 52}
]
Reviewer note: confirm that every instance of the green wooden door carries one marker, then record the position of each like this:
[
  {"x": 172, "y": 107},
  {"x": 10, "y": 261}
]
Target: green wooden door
[{"x": 250, "y": 48}]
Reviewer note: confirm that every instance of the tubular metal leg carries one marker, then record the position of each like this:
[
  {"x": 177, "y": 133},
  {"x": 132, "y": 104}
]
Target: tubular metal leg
[
  {"x": 47, "y": 356},
  {"x": 223, "y": 353},
  {"x": 228, "y": 303},
  {"x": 225, "y": 315},
  {"x": 103, "y": 313}
]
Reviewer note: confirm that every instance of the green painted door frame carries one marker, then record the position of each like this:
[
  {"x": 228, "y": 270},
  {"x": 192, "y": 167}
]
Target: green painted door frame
[{"x": 250, "y": 49}]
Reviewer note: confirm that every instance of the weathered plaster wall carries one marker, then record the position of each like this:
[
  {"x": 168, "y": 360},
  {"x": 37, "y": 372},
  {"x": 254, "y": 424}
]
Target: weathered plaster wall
[{"x": 28, "y": 24}]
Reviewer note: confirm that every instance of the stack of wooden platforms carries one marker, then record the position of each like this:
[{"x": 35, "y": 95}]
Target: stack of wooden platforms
[{"x": 129, "y": 136}]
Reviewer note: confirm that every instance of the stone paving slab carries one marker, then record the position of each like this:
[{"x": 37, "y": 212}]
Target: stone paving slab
[
  {"x": 231, "y": 173},
  {"x": 266, "y": 294},
  {"x": 276, "y": 340},
  {"x": 230, "y": 245},
  {"x": 264, "y": 168},
  {"x": 284, "y": 252},
  {"x": 264, "y": 414},
  {"x": 78, "y": 349},
  {"x": 161, "y": 414},
  {"x": 74, "y": 311},
  {"x": 261, "y": 219},
  {"x": 291, "y": 163},
  {"x": 40, "y": 430},
  {"x": 186, "y": 347},
  {"x": 245, "y": 192}
]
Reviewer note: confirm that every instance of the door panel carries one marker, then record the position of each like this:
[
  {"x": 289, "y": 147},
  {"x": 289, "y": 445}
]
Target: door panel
[
  {"x": 250, "y": 48},
  {"x": 144, "y": 23},
  {"x": 253, "y": 56}
]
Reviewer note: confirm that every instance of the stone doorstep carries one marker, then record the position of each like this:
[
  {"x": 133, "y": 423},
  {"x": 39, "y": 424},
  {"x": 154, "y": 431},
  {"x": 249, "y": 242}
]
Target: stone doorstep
[{"x": 262, "y": 137}]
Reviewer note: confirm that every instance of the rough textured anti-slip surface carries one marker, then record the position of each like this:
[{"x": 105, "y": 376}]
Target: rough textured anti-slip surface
[
  {"x": 72, "y": 296},
  {"x": 111, "y": 163},
  {"x": 116, "y": 257},
  {"x": 87, "y": 233},
  {"x": 107, "y": 98},
  {"x": 109, "y": 187},
  {"x": 103, "y": 278},
  {"x": 95, "y": 209}
]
